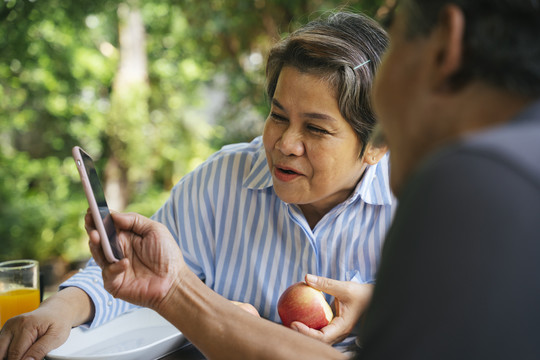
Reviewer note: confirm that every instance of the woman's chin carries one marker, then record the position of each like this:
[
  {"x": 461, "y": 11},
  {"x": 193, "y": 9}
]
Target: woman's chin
[{"x": 290, "y": 195}]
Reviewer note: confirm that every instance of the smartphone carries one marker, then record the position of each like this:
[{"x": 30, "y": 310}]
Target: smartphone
[{"x": 98, "y": 206}]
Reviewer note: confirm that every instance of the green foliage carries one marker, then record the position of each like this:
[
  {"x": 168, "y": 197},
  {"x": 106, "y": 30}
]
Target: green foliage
[
  {"x": 54, "y": 84},
  {"x": 41, "y": 214},
  {"x": 58, "y": 64},
  {"x": 236, "y": 35}
]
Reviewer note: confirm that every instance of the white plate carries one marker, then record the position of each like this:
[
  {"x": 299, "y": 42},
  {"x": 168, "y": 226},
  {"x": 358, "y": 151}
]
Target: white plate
[{"x": 140, "y": 334}]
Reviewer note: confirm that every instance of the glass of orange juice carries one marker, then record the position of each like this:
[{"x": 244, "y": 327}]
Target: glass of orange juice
[{"x": 19, "y": 288}]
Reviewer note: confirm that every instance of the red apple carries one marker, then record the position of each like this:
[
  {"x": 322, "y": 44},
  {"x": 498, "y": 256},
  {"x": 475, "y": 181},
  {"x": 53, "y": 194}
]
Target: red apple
[{"x": 301, "y": 302}]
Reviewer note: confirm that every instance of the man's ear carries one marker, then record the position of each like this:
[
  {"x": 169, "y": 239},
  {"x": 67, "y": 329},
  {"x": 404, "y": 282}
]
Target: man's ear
[
  {"x": 447, "y": 44},
  {"x": 374, "y": 153}
]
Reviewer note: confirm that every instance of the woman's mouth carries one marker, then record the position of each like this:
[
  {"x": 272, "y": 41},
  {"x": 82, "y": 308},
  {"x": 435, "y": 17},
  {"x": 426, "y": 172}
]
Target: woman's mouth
[{"x": 285, "y": 174}]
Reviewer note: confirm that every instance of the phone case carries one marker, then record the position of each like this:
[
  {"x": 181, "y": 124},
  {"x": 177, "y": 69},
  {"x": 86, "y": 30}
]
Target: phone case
[{"x": 94, "y": 209}]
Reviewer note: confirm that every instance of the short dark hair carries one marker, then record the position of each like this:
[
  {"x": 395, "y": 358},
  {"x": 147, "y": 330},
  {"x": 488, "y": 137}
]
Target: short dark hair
[
  {"x": 330, "y": 47},
  {"x": 501, "y": 41}
]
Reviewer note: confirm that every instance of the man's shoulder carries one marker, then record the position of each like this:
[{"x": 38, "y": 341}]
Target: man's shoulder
[
  {"x": 514, "y": 146},
  {"x": 496, "y": 161},
  {"x": 510, "y": 149}
]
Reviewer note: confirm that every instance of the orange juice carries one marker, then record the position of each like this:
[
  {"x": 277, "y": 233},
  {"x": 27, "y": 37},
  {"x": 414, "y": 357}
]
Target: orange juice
[{"x": 16, "y": 302}]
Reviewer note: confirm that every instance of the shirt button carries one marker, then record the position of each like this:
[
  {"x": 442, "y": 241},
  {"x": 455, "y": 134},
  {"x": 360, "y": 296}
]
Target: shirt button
[
  {"x": 109, "y": 303},
  {"x": 96, "y": 280}
]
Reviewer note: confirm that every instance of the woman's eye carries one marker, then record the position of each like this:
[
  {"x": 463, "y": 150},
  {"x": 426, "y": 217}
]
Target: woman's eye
[
  {"x": 318, "y": 130},
  {"x": 277, "y": 117}
]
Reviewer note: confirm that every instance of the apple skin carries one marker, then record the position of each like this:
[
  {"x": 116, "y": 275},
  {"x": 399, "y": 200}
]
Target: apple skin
[{"x": 301, "y": 302}]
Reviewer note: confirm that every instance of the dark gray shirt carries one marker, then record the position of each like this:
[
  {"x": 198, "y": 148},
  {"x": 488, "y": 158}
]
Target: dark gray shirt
[{"x": 460, "y": 270}]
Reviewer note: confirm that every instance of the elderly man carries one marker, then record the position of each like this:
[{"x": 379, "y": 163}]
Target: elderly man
[{"x": 458, "y": 96}]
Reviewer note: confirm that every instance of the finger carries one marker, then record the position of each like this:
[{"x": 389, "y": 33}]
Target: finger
[
  {"x": 342, "y": 290},
  {"x": 43, "y": 345},
  {"x": 117, "y": 268},
  {"x": 113, "y": 274},
  {"x": 333, "y": 287},
  {"x": 128, "y": 221},
  {"x": 5, "y": 340},
  {"x": 21, "y": 341},
  {"x": 89, "y": 224},
  {"x": 332, "y": 333},
  {"x": 134, "y": 222},
  {"x": 306, "y": 330},
  {"x": 94, "y": 243},
  {"x": 337, "y": 330},
  {"x": 38, "y": 350}
]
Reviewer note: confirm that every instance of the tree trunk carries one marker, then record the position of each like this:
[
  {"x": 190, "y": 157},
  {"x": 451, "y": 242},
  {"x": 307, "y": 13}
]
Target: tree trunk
[{"x": 129, "y": 111}]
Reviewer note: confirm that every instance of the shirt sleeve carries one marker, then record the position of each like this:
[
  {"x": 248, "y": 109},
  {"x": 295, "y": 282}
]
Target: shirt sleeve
[
  {"x": 459, "y": 270},
  {"x": 106, "y": 306},
  {"x": 188, "y": 213}
]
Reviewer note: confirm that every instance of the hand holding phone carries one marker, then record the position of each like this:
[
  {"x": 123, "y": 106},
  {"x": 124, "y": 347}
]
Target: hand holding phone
[{"x": 98, "y": 206}]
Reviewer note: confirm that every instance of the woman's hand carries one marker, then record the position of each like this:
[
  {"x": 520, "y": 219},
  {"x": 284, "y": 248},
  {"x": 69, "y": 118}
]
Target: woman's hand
[
  {"x": 351, "y": 300},
  {"x": 152, "y": 264},
  {"x": 34, "y": 334}
]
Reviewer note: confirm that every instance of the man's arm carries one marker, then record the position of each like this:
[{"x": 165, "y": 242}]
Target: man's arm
[
  {"x": 221, "y": 330},
  {"x": 153, "y": 274}
]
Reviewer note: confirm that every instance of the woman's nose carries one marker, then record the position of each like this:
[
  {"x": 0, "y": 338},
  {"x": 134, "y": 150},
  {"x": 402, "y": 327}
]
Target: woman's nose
[{"x": 291, "y": 142}]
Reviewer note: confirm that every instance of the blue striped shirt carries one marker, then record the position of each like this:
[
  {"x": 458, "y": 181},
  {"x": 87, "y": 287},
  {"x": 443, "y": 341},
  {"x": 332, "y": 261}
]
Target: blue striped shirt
[{"x": 248, "y": 245}]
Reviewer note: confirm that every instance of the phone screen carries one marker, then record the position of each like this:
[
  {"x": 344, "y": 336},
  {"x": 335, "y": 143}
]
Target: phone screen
[{"x": 99, "y": 195}]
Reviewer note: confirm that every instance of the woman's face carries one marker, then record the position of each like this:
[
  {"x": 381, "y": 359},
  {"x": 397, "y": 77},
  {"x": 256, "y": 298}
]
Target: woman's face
[{"x": 312, "y": 151}]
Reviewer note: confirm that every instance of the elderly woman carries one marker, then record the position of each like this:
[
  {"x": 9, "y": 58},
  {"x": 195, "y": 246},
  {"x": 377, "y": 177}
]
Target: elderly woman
[{"x": 310, "y": 196}]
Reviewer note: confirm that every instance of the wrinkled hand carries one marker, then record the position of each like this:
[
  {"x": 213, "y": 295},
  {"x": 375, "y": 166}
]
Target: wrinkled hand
[
  {"x": 351, "y": 300},
  {"x": 33, "y": 335},
  {"x": 152, "y": 265}
]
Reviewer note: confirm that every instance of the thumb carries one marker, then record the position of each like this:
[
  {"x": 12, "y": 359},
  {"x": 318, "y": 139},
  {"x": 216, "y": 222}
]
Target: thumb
[
  {"x": 133, "y": 222},
  {"x": 124, "y": 221},
  {"x": 326, "y": 285}
]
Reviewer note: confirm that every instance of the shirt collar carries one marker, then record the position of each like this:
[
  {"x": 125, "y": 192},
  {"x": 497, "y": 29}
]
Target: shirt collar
[{"x": 374, "y": 188}]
